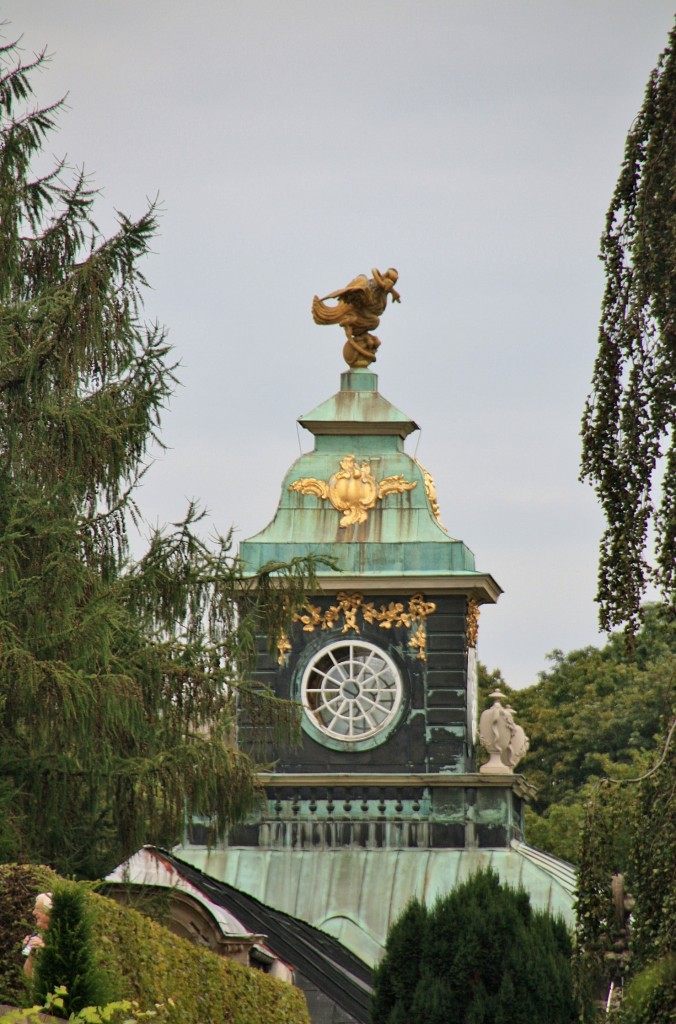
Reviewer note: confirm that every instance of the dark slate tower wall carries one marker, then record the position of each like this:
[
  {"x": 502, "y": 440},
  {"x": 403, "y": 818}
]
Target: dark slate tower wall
[
  {"x": 449, "y": 746},
  {"x": 431, "y": 733},
  {"x": 398, "y": 583}
]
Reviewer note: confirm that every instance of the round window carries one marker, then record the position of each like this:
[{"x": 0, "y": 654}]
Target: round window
[{"x": 351, "y": 690}]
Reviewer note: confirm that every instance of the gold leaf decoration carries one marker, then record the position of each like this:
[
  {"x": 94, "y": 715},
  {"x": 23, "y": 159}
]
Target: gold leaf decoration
[
  {"x": 283, "y": 648},
  {"x": 431, "y": 492},
  {"x": 353, "y": 490},
  {"x": 349, "y": 607},
  {"x": 472, "y": 628},
  {"x": 308, "y": 485}
]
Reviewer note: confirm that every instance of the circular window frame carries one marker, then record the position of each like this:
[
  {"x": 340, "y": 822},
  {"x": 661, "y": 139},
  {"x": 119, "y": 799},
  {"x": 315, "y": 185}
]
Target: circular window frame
[{"x": 342, "y": 684}]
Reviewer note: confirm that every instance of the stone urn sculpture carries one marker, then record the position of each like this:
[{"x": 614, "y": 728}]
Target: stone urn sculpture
[{"x": 505, "y": 741}]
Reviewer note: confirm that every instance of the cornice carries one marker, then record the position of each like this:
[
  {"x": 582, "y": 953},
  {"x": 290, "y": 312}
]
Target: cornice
[
  {"x": 434, "y": 781},
  {"x": 479, "y": 586}
]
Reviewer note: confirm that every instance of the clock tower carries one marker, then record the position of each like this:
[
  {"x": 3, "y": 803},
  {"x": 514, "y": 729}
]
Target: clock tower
[
  {"x": 381, "y": 800},
  {"x": 382, "y": 659}
]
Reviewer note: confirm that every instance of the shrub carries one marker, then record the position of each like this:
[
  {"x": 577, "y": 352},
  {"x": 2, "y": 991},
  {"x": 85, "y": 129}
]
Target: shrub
[
  {"x": 156, "y": 966},
  {"x": 19, "y": 885},
  {"x": 480, "y": 955},
  {"x": 68, "y": 958},
  {"x": 650, "y": 996}
]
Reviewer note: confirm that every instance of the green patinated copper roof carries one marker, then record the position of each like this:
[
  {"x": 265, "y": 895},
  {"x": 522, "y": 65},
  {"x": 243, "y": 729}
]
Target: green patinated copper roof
[
  {"x": 358, "y": 408},
  {"x": 400, "y": 535},
  {"x": 356, "y": 895}
]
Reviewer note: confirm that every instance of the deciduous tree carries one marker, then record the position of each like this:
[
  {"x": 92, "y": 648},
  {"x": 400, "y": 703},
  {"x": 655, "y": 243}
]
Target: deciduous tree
[
  {"x": 595, "y": 712},
  {"x": 629, "y": 439},
  {"x": 629, "y": 423}
]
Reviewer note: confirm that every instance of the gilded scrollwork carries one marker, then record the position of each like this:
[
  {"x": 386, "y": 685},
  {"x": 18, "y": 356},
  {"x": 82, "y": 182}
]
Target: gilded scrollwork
[
  {"x": 353, "y": 490},
  {"x": 349, "y": 607},
  {"x": 393, "y": 615},
  {"x": 419, "y": 641},
  {"x": 431, "y": 492},
  {"x": 420, "y": 608},
  {"x": 311, "y": 619},
  {"x": 472, "y": 627},
  {"x": 283, "y": 648}
]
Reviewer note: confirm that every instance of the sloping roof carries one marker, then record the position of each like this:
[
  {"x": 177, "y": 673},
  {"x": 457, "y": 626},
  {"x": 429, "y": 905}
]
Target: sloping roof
[
  {"x": 355, "y": 895},
  {"x": 358, "y": 408},
  {"x": 150, "y": 866},
  {"x": 397, "y": 530},
  {"x": 321, "y": 958}
]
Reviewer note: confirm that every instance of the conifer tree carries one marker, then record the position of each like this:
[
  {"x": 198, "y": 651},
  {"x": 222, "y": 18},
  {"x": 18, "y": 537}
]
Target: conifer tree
[
  {"x": 479, "y": 955},
  {"x": 116, "y": 676},
  {"x": 68, "y": 958},
  {"x": 399, "y": 973},
  {"x": 628, "y": 427}
]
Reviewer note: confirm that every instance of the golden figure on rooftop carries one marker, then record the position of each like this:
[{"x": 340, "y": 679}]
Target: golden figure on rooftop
[{"x": 360, "y": 305}]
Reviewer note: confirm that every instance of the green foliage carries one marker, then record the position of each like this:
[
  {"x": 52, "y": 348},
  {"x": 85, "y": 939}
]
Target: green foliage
[
  {"x": 400, "y": 971},
  {"x": 147, "y": 965},
  {"x": 557, "y": 830},
  {"x": 68, "y": 957},
  {"x": 155, "y": 966},
  {"x": 628, "y": 426},
  {"x": 597, "y": 923},
  {"x": 117, "y": 678},
  {"x": 629, "y": 442},
  {"x": 19, "y": 885},
  {"x": 653, "y": 863},
  {"x": 595, "y": 713},
  {"x": 122, "y": 1011},
  {"x": 644, "y": 810},
  {"x": 480, "y": 955},
  {"x": 650, "y": 997}
]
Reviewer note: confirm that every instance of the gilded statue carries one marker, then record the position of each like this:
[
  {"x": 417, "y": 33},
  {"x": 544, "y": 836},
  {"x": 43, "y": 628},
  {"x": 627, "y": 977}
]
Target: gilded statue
[{"x": 360, "y": 305}]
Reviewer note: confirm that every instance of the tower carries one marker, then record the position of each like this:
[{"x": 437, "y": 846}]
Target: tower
[
  {"x": 382, "y": 799},
  {"x": 383, "y": 658}
]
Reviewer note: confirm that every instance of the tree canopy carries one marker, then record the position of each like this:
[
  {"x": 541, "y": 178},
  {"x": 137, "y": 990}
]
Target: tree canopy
[
  {"x": 628, "y": 429},
  {"x": 629, "y": 455},
  {"x": 116, "y": 676},
  {"x": 598, "y": 722},
  {"x": 596, "y": 712}
]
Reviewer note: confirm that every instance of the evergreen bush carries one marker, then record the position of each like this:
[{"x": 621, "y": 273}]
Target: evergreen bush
[
  {"x": 480, "y": 955},
  {"x": 68, "y": 958},
  {"x": 156, "y": 966}
]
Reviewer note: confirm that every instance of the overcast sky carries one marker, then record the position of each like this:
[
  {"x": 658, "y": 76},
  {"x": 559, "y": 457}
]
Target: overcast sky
[{"x": 473, "y": 145}]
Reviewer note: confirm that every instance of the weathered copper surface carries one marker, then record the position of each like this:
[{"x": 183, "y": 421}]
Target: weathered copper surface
[
  {"x": 353, "y": 490},
  {"x": 356, "y": 895}
]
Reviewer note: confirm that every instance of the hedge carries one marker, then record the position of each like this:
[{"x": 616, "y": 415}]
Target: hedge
[{"x": 147, "y": 963}]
